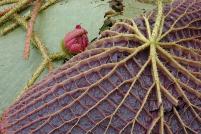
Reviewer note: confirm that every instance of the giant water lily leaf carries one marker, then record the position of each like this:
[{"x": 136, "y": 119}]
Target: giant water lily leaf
[{"x": 141, "y": 76}]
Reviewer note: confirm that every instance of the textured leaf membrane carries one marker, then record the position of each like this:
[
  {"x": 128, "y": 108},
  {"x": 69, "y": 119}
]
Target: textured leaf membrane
[{"x": 126, "y": 83}]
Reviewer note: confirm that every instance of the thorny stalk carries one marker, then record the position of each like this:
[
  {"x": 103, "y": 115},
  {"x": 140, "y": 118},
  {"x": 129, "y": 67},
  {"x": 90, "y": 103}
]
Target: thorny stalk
[
  {"x": 14, "y": 24},
  {"x": 30, "y": 28},
  {"x": 15, "y": 9},
  {"x": 35, "y": 39},
  {"x": 4, "y": 2},
  {"x": 31, "y": 36},
  {"x": 2, "y": 13},
  {"x": 41, "y": 68},
  {"x": 47, "y": 58}
]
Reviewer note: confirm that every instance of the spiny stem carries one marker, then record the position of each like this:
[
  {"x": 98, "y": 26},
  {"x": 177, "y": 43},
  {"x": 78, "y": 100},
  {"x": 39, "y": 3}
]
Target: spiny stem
[
  {"x": 169, "y": 96},
  {"x": 36, "y": 74},
  {"x": 14, "y": 25},
  {"x": 153, "y": 55},
  {"x": 60, "y": 55},
  {"x": 41, "y": 68},
  {"x": 9, "y": 28},
  {"x": 2, "y": 13},
  {"x": 4, "y": 2},
  {"x": 147, "y": 26},
  {"x": 43, "y": 49},
  {"x": 138, "y": 32},
  {"x": 158, "y": 21},
  {"x": 35, "y": 39},
  {"x": 156, "y": 33},
  {"x": 161, "y": 114},
  {"x": 161, "y": 28},
  {"x": 18, "y": 6},
  {"x": 30, "y": 28}
]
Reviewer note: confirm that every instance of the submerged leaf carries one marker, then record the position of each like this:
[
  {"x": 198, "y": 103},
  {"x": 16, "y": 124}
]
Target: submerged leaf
[{"x": 141, "y": 76}]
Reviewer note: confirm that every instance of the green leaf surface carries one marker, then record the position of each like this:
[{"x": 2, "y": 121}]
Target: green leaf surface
[
  {"x": 51, "y": 26},
  {"x": 133, "y": 8}
]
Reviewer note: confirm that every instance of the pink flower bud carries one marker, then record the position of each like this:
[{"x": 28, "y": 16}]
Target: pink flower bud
[{"x": 76, "y": 41}]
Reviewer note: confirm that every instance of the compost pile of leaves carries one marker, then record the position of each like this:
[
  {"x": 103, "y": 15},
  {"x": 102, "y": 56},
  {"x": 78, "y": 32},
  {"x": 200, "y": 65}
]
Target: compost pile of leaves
[{"x": 141, "y": 76}]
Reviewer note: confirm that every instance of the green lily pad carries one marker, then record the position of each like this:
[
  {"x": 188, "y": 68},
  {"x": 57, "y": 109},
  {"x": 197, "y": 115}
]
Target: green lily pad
[{"x": 133, "y": 8}]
